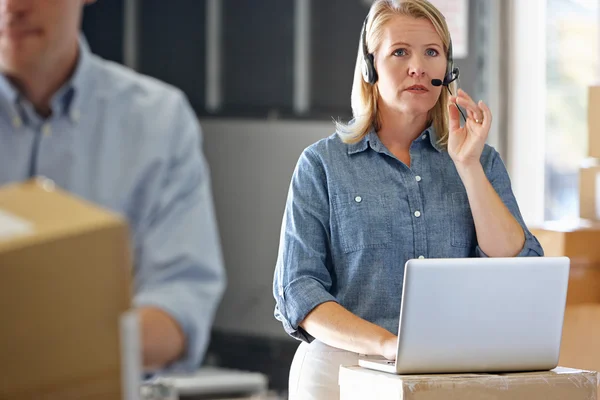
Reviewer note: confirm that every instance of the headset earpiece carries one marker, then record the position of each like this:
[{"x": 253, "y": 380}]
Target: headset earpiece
[
  {"x": 452, "y": 72},
  {"x": 368, "y": 69},
  {"x": 368, "y": 63}
]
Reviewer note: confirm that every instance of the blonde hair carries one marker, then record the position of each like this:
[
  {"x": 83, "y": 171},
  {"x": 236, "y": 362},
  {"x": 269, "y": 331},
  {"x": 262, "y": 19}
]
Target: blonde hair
[{"x": 364, "y": 95}]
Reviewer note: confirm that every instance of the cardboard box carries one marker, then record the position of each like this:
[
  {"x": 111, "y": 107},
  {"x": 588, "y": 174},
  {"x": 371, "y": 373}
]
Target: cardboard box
[
  {"x": 580, "y": 241},
  {"x": 594, "y": 121},
  {"x": 64, "y": 267},
  {"x": 558, "y": 384},
  {"x": 580, "y": 346},
  {"x": 589, "y": 189}
]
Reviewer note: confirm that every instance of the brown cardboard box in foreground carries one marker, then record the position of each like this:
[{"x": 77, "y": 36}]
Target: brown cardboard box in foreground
[
  {"x": 558, "y": 384},
  {"x": 64, "y": 283}
]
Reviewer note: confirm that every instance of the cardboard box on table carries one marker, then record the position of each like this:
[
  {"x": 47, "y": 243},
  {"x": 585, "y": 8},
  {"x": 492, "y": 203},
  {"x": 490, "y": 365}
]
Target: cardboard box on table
[
  {"x": 64, "y": 285},
  {"x": 594, "y": 121},
  {"x": 558, "y": 384}
]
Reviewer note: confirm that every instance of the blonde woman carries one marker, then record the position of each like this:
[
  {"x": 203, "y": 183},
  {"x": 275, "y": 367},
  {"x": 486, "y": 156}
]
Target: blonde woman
[{"x": 402, "y": 180}]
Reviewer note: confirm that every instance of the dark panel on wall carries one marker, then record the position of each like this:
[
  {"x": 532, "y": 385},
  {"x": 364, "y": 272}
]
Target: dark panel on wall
[
  {"x": 258, "y": 49},
  {"x": 257, "y": 38},
  {"x": 335, "y": 33},
  {"x": 172, "y": 45},
  {"x": 102, "y": 26}
]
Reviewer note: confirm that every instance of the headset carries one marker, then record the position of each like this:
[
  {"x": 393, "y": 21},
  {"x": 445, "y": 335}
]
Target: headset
[{"x": 370, "y": 74}]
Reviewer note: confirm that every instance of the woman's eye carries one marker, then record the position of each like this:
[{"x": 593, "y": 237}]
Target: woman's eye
[
  {"x": 432, "y": 52},
  {"x": 399, "y": 52}
]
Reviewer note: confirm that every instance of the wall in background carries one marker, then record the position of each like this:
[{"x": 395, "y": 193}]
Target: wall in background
[{"x": 251, "y": 165}]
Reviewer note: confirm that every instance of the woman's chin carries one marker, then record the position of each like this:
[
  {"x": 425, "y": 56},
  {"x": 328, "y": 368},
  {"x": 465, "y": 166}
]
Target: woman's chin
[{"x": 413, "y": 109}]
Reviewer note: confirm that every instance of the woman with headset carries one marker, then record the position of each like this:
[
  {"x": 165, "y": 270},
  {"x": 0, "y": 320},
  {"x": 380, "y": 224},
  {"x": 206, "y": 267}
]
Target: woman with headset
[{"x": 402, "y": 180}]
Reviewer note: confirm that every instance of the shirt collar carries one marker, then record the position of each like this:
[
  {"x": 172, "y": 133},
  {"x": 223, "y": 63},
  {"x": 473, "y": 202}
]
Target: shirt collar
[
  {"x": 372, "y": 140},
  {"x": 362, "y": 144},
  {"x": 8, "y": 93},
  {"x": 68, "y": 100},
  {"x": 82, "y": 79},
  {"x": 433, "y": 138}
]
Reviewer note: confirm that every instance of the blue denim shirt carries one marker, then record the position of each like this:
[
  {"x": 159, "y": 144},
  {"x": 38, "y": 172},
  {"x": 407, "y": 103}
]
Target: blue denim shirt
[
  {"x": 133, "y": 145},
  {"x": 355, "y": 214}
]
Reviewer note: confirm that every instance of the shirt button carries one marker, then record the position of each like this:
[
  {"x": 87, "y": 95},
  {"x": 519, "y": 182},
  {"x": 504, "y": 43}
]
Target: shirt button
[
  {"x": 46, "y": 130},
  {"x": 421, "y": 257},
  {"x": 417, "y": 214},
  {"x": 418, "y": 178},
  {"x": 17, "y": 122},
  {"x": 424, "y": 136},
  {"x": 358, "y": 199}
]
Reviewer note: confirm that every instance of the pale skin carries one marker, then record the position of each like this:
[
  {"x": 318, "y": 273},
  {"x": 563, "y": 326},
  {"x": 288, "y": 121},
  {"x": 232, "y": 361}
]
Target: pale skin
[
  {"x": 38, "y": 54},
  {"x": 412, "y": 53}
]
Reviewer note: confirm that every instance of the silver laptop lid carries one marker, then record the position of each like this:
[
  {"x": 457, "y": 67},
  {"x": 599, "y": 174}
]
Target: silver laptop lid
[{"x": 494, "y": 314}]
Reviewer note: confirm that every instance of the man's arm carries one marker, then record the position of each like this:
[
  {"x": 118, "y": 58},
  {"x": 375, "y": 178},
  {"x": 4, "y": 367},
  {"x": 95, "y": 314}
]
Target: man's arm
[{"x": 179, "y": 273}]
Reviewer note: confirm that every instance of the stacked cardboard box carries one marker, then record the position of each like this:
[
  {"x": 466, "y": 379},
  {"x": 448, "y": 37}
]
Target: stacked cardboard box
[{"x": 580, "y": 241}]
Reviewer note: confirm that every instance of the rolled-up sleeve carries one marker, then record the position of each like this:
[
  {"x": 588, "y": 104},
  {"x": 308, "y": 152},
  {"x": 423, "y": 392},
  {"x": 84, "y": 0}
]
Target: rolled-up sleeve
[
  {"x": 302, "y": 279},
  {"x": 500, "y": 180},
  {"x": 178, "y": 257}
]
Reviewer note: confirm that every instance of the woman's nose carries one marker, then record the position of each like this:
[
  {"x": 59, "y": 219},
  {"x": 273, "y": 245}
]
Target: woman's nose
[
  {"x": 416, "y": 71},
  {"x": 415, "y": 68}
]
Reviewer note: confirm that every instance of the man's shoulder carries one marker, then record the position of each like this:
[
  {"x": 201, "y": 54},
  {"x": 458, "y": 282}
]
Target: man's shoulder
[
  {"x": 116, "y": 81},
  {"x": 147, "y": 109}
]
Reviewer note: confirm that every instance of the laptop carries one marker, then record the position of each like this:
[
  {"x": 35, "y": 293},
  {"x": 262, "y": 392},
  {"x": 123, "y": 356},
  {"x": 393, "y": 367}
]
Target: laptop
[{"x": 479, "y": 315}]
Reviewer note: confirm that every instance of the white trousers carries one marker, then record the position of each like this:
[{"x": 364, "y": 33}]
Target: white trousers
[{"x": 315, "y": 370}]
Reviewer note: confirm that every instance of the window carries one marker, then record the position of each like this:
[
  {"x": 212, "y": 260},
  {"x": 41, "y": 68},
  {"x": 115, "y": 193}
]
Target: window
[{"x": 572, "y": 65}]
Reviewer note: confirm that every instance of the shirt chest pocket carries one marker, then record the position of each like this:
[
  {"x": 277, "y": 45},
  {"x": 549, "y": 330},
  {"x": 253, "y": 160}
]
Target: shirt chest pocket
[
  {"x": 362, "y": 221},
  {"x": 463, "y": 226}
]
